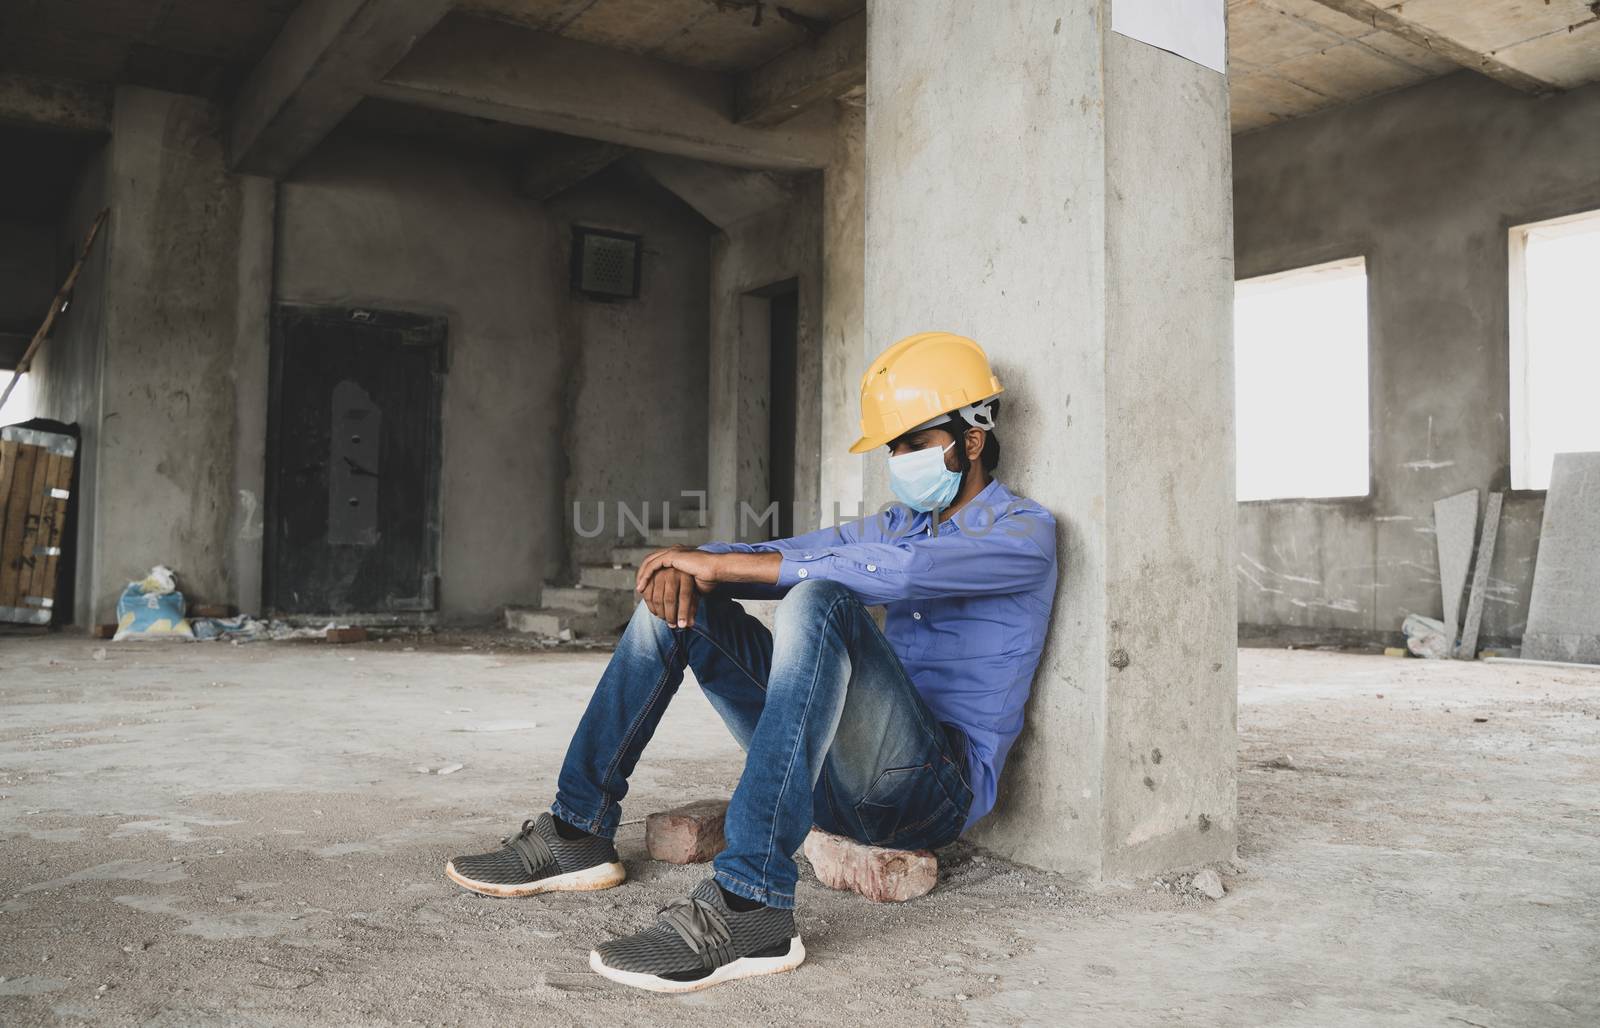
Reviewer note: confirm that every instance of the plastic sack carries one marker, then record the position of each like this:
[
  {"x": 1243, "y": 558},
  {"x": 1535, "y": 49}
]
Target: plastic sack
[
  {"x": 1426, "y": 637},
  {"x": 152, "y": 609}
]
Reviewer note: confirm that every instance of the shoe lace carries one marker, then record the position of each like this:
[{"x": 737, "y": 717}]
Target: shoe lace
[
  {"x": 531, "y": 847},
  {"x": 703, "y": 928}
]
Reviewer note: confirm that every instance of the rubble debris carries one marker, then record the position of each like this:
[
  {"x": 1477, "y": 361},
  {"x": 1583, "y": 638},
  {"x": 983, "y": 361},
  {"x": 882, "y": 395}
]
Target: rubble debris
[
  {"x": 1208, "y": 884},
  {"x": 881, "y": 875},
  {"x": 688, "y": 834}
]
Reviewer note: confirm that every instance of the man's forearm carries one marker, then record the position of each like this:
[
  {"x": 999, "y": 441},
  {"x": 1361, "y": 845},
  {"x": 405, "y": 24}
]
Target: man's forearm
[{"x": 755, "y": 568}]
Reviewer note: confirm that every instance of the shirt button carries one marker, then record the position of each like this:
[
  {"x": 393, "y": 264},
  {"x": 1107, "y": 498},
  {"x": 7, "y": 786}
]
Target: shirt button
[
  {"x": 801, "y": 572},
  {"x": 872, "y": 567},
  {"x": 917, "y": 614}
]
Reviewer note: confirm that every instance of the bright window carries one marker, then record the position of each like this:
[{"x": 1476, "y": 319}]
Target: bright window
[
  {"x": 1555, "y": 344},
  {"x": 1300, "y": 382},
  {"x": 20, "y": 406}
]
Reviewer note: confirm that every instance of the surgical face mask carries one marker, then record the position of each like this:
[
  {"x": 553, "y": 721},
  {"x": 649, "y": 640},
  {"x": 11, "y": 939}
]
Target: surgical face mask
[{"x": 921, "y": 480}]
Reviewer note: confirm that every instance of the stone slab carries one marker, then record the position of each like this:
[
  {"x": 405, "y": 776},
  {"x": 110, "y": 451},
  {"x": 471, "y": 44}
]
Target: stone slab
[
  {"x": 1468, "y": 649},
  {"x": 1564, "y": 609},
  {"x": 1455, "y": 524}
]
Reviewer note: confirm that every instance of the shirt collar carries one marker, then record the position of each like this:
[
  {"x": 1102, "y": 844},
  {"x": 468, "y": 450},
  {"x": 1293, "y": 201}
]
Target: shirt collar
[{"x": 982, "y": 509}]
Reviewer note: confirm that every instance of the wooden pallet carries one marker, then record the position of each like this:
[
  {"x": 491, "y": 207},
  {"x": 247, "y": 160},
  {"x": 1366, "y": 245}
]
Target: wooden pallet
[{"x": 35, "y": 476}]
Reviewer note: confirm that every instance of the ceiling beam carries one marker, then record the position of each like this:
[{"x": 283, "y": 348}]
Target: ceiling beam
[
  {"x": 1392, "y": 23},
  {"x": 822, "y": 69},
  {"x": 55, "y": 103},
  {"x": 565, "y": 164},
  {"x": 315, "y": 73},
  {"x": 724, "y": 196},
  {"x": 493, "y": 70}
]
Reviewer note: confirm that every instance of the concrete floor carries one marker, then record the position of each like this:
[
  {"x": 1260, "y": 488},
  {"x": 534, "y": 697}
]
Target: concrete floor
[{"x": 216, "y": 834}]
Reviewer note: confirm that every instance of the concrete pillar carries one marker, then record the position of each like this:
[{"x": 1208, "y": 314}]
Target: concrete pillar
[
  {"x": 845, "y": 350},
  {"x": 1061, "y": 193}
]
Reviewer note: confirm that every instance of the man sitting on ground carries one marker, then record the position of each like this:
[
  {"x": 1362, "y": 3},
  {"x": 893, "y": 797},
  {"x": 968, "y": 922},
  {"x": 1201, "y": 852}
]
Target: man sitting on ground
[{"x": 894, "y": 738}]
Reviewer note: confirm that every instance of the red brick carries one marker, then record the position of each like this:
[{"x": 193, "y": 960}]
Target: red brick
[
  {"x": 347, "y": 635},
  {"x": 881, "y": 875},
  {"x": 690, "y": 834},
  {"x": 103, "y": 631}
]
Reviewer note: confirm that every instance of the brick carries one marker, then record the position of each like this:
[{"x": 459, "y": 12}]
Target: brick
[
  {"x": 881, "y": 875},
  {"x": 211, "y": 610},
  {"x": 103, "y": 631},
  {"x": 690, "y": 834},
  {"x": 347, "y": 635}
]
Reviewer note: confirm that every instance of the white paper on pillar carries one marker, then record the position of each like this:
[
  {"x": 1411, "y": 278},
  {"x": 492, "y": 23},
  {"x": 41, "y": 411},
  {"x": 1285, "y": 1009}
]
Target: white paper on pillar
[{"x": 1194, "y": 29}]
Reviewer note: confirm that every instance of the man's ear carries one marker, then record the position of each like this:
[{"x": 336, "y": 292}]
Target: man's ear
[{"x": 973, "y": 440}]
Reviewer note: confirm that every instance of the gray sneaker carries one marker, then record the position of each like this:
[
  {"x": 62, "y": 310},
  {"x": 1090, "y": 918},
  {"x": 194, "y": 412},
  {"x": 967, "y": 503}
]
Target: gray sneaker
[
  {"x": 699, "y": 942},
  {"x": 537, "y": 859}
]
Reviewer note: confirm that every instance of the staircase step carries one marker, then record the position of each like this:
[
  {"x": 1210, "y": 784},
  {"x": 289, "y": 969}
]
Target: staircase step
[
  {"x": 603, "y": 576},
  {"x": 557, "y": 624},
  {"x": 548, "y": 624},
  {"x": 577, "y": 599},
  {"x": 609, "y": 606},
  {"x": 681, "y": 537}
]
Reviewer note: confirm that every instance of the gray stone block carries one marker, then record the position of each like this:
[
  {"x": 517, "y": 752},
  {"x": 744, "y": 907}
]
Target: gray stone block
[
  {"x": 1455, "y": 525},
  {"x": 1564, "y": 610},
  {"x": 1480, "y": 577}
]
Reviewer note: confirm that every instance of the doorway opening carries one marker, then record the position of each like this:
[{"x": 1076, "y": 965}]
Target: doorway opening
[{"x": 353, "y": 461}]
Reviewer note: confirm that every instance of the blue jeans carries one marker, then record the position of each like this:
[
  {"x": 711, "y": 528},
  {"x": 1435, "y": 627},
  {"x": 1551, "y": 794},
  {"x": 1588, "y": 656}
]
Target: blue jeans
[{"x": 833, "y": 730}]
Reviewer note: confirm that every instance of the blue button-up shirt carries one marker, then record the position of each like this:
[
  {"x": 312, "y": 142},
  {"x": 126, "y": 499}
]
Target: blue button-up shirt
[{"x": 967, "y": 608}]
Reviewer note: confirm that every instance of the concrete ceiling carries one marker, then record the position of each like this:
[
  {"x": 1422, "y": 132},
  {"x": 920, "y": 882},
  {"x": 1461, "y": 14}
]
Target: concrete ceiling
[
  {"x": 718, "y": 35},
  {"x": 187, "y": 46},
  {"x": 1290, "y": 58},
  {"x": 1287, "y": 58}
]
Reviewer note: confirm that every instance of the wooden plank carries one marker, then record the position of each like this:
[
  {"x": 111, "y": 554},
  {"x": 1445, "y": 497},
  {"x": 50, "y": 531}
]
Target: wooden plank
[
  {"x": 16, "y": 511},
  {"x": 8, "y": 467},
  {"x": 56, "y": 521},
  {"x": 27, "y": 561},
  {"x": 43, "y": 473}
]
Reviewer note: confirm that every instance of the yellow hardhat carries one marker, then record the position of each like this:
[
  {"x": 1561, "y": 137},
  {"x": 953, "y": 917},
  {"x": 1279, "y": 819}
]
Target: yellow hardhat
[{"x": 919, "y": 379}]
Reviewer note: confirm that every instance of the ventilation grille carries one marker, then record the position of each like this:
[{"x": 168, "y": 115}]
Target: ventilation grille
[{"x": 605, "y": 265}]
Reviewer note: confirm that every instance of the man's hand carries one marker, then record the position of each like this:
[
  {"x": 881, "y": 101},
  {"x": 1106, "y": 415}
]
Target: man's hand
[
  {"x": 669, "y": 585},
  {"x": 672, "y": 580}
]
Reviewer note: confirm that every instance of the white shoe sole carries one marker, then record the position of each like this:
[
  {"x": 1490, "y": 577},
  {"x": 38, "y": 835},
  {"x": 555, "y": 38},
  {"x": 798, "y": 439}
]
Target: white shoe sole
[
  {"x": 744, "y": 967},
  {"x": 590, "y": 879}
]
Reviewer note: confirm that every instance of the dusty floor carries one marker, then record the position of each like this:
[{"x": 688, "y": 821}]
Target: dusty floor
[{"x": 215, "y": 834}]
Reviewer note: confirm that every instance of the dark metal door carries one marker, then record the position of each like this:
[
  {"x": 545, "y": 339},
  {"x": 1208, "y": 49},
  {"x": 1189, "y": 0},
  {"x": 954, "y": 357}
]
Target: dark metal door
[{"x": 353, "y": 461}]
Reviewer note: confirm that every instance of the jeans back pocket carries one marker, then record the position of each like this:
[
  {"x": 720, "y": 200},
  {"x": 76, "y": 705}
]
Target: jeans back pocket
[{"x": 907, "y": 808}]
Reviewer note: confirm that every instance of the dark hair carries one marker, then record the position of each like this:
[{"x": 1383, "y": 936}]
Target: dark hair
[{"x": 990, "y": 457}]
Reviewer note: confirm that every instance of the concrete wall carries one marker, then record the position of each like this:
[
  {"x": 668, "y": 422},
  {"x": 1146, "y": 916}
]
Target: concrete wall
[
  {"x": 1424, "y": 183},
  {"x": 66, "y": 371},
  {"x": 782, "y": 243},
  {"x": 373, "y": 222},
  {"x": 166, "y": 433},
  {"x": 635, "y": 420}
]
